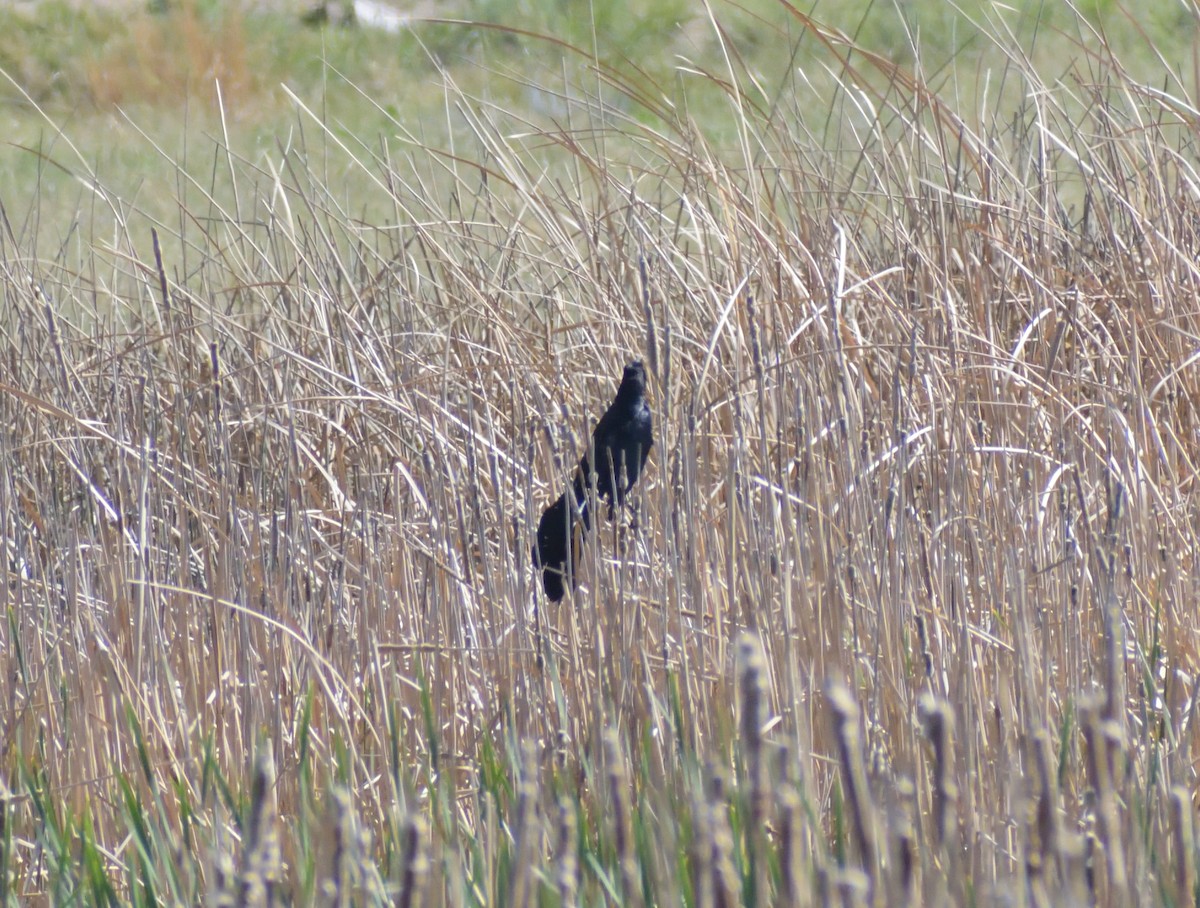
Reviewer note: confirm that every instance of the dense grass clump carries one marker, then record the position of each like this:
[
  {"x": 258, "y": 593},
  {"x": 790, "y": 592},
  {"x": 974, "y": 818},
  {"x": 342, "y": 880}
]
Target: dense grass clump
[{"x": 901, "y": 611}]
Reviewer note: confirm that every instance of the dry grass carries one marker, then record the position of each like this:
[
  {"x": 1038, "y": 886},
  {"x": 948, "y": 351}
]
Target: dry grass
[
  {"x": 182, "y": 53},
  {"x": 908, "y": 613}
]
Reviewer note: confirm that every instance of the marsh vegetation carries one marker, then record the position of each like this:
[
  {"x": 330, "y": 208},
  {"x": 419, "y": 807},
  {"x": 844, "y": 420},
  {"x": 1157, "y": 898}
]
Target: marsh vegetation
[{"x": 909, "y": 613}]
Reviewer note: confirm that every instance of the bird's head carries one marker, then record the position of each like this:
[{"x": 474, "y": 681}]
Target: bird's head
[{"x": 633, "y": 381}]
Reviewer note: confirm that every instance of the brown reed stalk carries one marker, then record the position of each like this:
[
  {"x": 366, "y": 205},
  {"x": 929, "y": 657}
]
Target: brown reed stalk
[
  {"x": 789, "y": 845},
  {"x": 414, "y": 863},
  {"x": 260, "y": 872},
  {"x": 338, "y": 849},
  {"x": 1183, "y": 825},
  {"x": 752, "y": 683},
  {"x": 701, "y": 852},
  {"x": 725, "y": 888},
  {"x": 566, "y": 865},
  {"x": 846, "y": 728},
  {"x": 1103, "y": 739},
  {"x": 938, "y": 720},
  {"x": 524, "y": 831},
  {"x": 620, "y": 791}
]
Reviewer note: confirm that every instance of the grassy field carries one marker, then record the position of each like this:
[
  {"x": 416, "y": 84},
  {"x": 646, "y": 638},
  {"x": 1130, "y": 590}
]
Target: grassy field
[{"x": 904, "y": 608}]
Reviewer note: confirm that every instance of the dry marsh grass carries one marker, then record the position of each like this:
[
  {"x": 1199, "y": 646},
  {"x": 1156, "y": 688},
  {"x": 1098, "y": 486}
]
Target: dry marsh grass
[
  {"x": 907, "y": 614},
  {"x": 175, "y": 55}
]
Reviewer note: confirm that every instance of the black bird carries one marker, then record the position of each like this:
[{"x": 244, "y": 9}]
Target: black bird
[
  {"x": 621, "y": 443},
  {"x": 556, "y": 531}
]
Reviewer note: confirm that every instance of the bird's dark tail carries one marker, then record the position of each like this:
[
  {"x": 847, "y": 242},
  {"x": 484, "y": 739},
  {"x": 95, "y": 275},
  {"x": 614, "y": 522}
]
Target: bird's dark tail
[{"x": 559, "y": 542}]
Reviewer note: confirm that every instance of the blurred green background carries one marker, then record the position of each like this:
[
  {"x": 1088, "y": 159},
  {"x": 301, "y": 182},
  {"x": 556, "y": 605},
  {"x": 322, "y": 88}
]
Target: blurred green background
[{"x": 122, "y": 96}]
